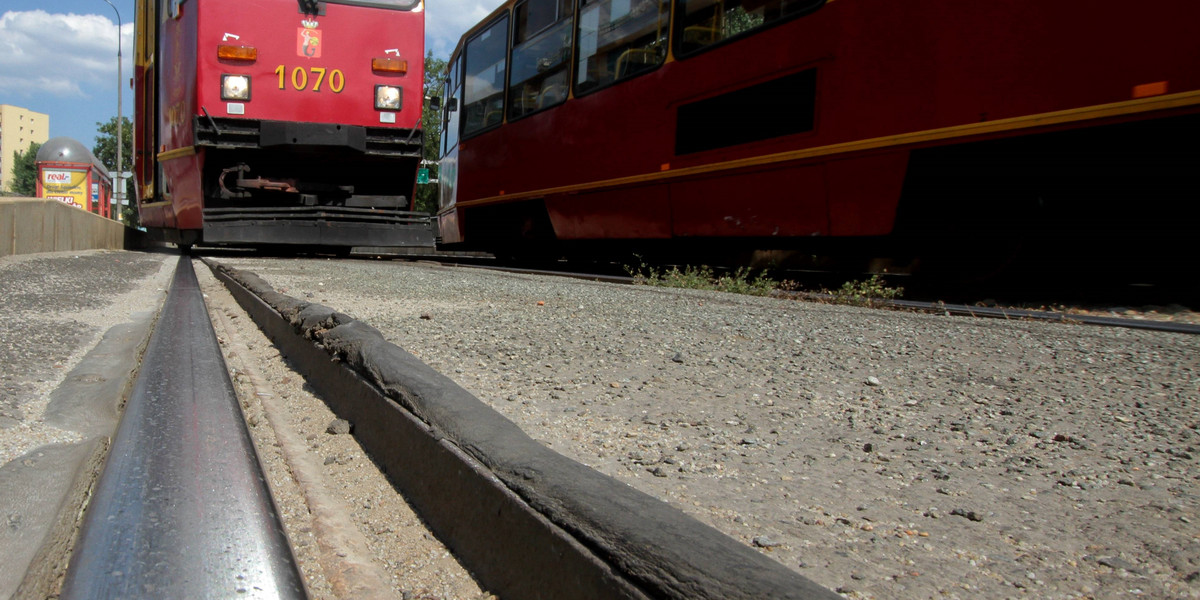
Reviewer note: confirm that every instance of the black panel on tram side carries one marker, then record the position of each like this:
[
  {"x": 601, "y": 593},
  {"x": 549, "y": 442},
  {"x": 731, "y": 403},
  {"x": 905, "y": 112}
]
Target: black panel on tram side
[
  {"x": 1107, "y": 200},
  {"x": 774, "y": 108}
]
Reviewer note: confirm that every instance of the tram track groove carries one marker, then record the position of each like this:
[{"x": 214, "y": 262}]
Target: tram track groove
[
  {"x": 405, "y": 554},
  {"x": 344, "y": 556}
]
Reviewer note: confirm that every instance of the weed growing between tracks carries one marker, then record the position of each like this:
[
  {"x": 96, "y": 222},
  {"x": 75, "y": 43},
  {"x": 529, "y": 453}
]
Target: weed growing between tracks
[
  {"x": 744, "y": 281},
  {"x": 866, "y": 292},
  {"x": 703, "y": 278}
]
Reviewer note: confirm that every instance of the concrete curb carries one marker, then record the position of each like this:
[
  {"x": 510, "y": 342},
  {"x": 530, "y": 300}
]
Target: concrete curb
[{"x": 529, "y": 522}]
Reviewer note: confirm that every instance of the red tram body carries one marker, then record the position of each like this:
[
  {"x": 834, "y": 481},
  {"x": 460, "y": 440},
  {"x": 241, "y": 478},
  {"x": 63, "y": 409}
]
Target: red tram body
[
  {"x": 723, "y": 124},
  {"x": 294, "y": 122}
]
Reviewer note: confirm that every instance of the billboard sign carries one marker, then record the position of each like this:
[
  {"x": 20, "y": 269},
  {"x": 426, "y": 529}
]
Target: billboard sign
[{"x": 65, "y": 185}]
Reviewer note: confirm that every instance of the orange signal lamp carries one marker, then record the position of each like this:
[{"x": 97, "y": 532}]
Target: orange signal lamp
[
  {"x": 240, "y": 53},
  {"x": 389, "y": 65}
]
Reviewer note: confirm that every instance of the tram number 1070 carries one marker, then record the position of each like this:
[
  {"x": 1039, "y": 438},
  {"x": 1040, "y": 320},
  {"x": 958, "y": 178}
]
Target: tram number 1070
[{"x": 311, "y": 78}]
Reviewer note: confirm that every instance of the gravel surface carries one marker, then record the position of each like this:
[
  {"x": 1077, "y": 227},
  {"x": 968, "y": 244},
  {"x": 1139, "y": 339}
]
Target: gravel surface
[{"x": 882, "y": 454}]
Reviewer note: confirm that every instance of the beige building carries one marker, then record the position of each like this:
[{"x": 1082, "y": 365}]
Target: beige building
[{"x": 18, "y": 128}]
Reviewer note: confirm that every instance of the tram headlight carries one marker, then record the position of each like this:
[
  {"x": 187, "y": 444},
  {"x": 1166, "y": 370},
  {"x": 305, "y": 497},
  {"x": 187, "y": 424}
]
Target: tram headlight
[
  {"x": 387, "y": 97},
  {"x": 235, "y": 87}
]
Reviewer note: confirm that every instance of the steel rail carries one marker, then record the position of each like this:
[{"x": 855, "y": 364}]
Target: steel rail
[
  {"x": 935, "y": 307},
  {"x": 182, "y": 509},
  {"x": 996, "y": 312}
]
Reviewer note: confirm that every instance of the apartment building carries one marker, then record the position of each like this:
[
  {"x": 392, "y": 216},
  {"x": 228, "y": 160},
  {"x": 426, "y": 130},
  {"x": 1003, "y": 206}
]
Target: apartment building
[{"x": 19, "y": 127}]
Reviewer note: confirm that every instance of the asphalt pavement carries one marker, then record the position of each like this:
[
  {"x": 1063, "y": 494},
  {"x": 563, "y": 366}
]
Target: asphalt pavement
[{"x": 74, "y": 326}]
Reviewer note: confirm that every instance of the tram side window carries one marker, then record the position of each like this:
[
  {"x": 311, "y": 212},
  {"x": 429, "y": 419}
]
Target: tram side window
[
  {"x": 452, "y": 97},
  {"x": 619, "y": 39},
  {"x": 702, "y": 23},
  {"x": 483, "y": 93},
  {"x": 541, "y": 52}
]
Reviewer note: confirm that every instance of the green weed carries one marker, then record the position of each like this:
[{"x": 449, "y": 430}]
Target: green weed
[
  {"x": 865, "y": 292},
  {"x": 745, "y": 281},
  {"x": 740, "y": 281}
]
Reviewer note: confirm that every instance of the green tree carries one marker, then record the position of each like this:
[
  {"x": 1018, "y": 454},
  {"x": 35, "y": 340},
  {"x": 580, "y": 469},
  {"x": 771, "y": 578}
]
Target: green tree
[
  {"x": 105, "y": 151},
  {"x": 737, "y": 21},
  {"x": 24, "y": 181},
  {"x": 431, "y": 123}
]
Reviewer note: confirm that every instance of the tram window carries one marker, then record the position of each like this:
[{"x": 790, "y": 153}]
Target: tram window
[
  {"x": 619, "y": 39},
  {"x": 702, "y": 23},
  {"x": 483, "y": 94},
  {"x": 450, "y": 108},
  {"x": 539, "y": 58},
  {"x": 532, "y": 16}
]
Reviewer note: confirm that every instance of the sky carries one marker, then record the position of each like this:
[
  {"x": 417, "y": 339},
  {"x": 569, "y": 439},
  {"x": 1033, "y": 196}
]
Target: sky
[{"x": 59, "y": 57}]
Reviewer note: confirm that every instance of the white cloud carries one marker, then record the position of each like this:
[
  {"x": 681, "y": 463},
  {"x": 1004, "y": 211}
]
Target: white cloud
[
  {"x": 60, "y": 54},
  {"x": 447, "y": 20}
]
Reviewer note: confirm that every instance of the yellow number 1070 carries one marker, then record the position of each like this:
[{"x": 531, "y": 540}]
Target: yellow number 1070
[{"x": 300, "y": 78}]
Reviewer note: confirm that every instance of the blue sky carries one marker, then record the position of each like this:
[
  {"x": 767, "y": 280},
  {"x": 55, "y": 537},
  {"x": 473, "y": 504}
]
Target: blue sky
[{"x": 59, "y": 57}]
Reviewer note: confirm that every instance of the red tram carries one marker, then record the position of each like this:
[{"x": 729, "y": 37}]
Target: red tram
[
  {"x": 847, "y": 125},
  {"x": 289, "y": 122}
]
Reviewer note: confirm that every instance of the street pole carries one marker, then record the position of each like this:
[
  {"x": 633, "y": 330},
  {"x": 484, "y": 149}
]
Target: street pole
[{"x": 119, "y": 188}]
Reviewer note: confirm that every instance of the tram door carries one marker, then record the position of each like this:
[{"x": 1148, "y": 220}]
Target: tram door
[{"x": 448, "y": 165}]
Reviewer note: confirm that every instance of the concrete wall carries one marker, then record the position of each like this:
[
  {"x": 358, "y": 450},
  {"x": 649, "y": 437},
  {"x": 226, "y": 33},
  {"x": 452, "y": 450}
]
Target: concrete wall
[{"x": 29, "y": 225}]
